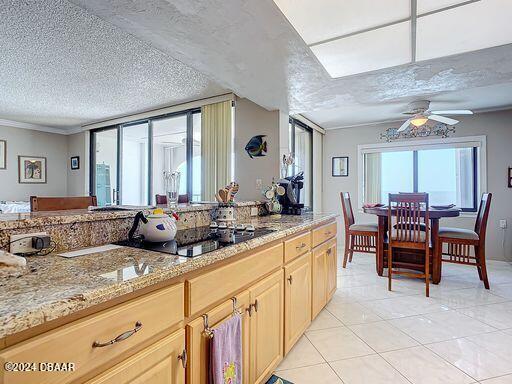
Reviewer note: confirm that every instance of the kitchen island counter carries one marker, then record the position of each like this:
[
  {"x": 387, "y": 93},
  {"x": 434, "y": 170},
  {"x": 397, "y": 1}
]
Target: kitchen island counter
[{"x": 55, "y": 287}]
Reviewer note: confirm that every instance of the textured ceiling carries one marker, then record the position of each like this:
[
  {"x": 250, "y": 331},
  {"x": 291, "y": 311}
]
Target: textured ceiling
[
  {"x": 62, "y": 66},
  {"x": 248, "y": 46}
]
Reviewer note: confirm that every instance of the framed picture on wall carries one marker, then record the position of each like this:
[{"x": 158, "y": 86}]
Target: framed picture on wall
[
  {"x": 31, "y": 170},
  {"x": 75, "y": 162},
  {"x": 3, "y": 154},
  {"x": 340, "y": 166}
]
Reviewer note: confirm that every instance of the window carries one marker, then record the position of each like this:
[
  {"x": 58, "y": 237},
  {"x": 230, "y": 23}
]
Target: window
[
  {"x": 301, "y": 145},
  {"x": 128, "y": 161},
  {"x": 450, "y": 172}
]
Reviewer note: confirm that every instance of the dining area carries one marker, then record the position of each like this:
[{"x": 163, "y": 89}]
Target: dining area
[{"x": 409, "y": 238}]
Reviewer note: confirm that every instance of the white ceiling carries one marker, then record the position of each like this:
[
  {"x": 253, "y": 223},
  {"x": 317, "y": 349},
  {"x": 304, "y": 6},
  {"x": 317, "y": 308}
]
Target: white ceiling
[
  {"x": 353, "y": 36},
  {"x": 66, "y": 64},
  {"x": 62, "y": 66}
]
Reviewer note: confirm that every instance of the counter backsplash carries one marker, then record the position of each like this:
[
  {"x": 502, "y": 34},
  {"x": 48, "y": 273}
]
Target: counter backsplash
[{"x": 80, "y": 228}]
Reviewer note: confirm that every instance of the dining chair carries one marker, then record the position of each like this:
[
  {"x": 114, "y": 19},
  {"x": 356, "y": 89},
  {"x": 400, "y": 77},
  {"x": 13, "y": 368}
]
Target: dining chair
[
  {"x": 358, "y": 237},
  {"x": 459, "y": 242},
  {"x": 409, "y": 229},
  {"x": 39, "y": 203},
  {"x": 162, "y": 199}
]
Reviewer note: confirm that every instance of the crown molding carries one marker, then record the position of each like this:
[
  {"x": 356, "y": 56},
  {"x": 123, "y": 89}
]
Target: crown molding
[{"x": 37, "y": 127}]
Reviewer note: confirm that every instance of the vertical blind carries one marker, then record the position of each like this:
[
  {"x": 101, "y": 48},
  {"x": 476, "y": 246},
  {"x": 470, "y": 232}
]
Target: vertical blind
[{"x": 216, "y": 138}]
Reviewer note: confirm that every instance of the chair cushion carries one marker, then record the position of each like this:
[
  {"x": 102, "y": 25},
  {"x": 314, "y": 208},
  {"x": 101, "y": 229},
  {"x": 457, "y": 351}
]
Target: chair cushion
[
  {"x": 458, "y": 233},
  {"x": 364, "y": 227}
]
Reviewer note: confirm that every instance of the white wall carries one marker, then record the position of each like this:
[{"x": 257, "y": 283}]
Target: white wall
[
  {"x": 28, "y": 142},
  {"x": 496, "y": 126},
  {"x": 78, "y": 179},
  {"x": 252, "y": 120}
]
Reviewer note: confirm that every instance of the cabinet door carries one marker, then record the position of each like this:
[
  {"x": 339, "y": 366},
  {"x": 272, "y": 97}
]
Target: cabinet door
[
  {"x": 198, "y": 342},
  {"x": 158, "y": 364},
  {"x": 319, "y": 281},
  {"x": 297, "y": 300},
  {"x": 332, "y": 269},
  {"x": 266, "y": 338}
]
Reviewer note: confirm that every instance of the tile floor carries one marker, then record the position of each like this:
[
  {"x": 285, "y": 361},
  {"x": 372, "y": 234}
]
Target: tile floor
[{"x": 367, "y": 335}]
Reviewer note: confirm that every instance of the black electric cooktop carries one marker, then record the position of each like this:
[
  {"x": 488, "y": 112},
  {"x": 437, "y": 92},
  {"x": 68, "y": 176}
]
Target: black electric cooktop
[{"x": 197, "y": 241}]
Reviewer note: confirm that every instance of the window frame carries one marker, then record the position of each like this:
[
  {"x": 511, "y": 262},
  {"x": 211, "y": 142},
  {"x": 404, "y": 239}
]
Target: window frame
[
  {"x": 479, "y": 144},
  {"x": 292, "y": 123},
  {"x": 119, "y": 128}
]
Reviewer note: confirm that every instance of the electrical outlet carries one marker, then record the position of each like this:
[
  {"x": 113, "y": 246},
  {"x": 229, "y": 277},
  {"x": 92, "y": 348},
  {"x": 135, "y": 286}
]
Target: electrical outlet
[
  {"x": 22, "y": 243},
  {"x": 254, "y": 211},
  {"x": 259, "y": 184},
  {"x": 503, "y": 224}
]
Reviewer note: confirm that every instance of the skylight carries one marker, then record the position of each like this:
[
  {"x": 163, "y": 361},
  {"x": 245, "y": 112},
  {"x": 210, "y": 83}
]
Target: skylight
[{"x": 355, "y": 36}]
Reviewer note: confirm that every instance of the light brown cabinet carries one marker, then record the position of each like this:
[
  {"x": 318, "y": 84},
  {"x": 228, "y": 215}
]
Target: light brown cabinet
[
  {"x": 324, "y": 262},
  {"x": 266, "y": 340},
  {"x": 162, "y": 363},
  {"x": 297, "y": 299},
  {"x": 198, "y": 341}
]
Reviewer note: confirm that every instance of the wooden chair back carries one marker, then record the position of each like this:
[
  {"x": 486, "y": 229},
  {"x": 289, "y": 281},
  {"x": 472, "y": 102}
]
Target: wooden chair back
[
  {"x": 483, "y": 215},
  {"x": 38, "y": 203},
  {"x": 348, "y": 214},
  {"x": 406, "y": 223},
  {"x": 162, "y": 199}
]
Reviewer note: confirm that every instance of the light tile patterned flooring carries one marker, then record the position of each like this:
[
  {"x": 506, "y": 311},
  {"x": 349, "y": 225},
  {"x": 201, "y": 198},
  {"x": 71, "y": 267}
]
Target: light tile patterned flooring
[{"x": 367, "y": 335}]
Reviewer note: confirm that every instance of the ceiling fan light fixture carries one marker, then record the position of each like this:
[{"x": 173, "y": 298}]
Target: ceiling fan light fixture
[{"x": 418, "y": 121}]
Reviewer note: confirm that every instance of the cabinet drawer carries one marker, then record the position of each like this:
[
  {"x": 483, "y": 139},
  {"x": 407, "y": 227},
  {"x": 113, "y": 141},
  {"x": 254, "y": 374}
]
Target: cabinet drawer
[
  {"x": 297, "y": 246},
  {"x": 324, "y": 233},
  {"x": 159, "y": 363},
  {"x": 222, "y": 282},
  {"x": 150, "y": 314}
]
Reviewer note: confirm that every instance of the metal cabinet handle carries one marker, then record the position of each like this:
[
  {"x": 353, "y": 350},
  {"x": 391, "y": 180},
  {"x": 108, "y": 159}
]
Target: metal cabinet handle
[
  {"x": 184, "y": 358},
  {"x": 290, "y": 279},
  {"x": 299, "y": 247},
  {"x": 329, "y": 251},
  {"x": 121, "y": 337},
  {"x": 249, "y": 310}
]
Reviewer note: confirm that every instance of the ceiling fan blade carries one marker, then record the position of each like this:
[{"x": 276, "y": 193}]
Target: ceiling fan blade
[
  {"x": 453, "y": 112},
  {"x": 442, "y": 119},
  {"x": 404, "y": 126}
]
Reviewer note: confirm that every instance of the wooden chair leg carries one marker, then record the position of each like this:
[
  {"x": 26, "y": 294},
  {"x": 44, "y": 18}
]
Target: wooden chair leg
[
  {"x": 390, "y": 267},
  {"x": 427, "y": 272},
  {"x": 347, "y": 250},
  {"x": 351, "y": 253},
  {"x": 483, "y": 267}
]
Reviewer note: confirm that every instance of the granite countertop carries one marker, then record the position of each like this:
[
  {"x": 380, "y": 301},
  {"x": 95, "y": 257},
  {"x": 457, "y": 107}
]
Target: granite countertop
[
  {"x": 57, "y": 286},
  {"x": 32, "y": 219}
]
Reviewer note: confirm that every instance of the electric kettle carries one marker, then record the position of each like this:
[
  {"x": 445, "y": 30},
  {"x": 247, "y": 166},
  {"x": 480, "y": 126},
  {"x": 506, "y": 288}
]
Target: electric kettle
[{"x": 157, "y": 227}]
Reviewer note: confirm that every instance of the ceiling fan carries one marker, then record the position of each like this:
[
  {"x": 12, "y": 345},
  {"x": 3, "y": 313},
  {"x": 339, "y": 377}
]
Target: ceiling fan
[{"x": 421, "y": 114}]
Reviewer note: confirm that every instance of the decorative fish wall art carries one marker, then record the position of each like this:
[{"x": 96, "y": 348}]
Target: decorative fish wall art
[{"x": 256, "y": 147}]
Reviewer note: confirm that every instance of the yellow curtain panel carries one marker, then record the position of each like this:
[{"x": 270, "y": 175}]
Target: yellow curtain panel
[{"x": 216, "y": 139}]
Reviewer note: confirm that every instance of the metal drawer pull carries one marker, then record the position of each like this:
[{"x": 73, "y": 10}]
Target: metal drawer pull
[
  {"x": 121, "y": 337},
  {"x": 290, "y": 279},
  {"x": 184, "y": 358},
  {"x": 299, "y": 247}
]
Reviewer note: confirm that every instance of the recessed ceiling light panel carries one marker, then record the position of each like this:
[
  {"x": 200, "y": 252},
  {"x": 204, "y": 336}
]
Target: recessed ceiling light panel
[
  {"x": 425, "y": 6},
  {"x": 470, "y": 27},
  {"x": 321, "y": 20},
  {"x": 381, "y": 48}
]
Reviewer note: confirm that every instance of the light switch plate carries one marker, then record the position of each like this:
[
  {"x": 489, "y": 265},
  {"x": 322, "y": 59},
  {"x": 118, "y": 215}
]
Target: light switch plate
[
  {"x": 22, "y": 243},
  {"x": 503, "y": 224}
]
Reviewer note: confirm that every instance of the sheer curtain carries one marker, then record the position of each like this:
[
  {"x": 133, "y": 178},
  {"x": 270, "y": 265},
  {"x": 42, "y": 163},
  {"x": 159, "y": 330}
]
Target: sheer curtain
[
  {"x": 216, "y": 138},
  {"x": 372, "y": 177}
]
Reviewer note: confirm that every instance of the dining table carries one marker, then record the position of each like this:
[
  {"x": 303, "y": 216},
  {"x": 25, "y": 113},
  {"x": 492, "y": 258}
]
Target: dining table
[{"x": 410, "y": 258}]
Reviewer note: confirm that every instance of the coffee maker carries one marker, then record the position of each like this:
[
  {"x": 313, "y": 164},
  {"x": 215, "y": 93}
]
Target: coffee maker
[{"x": 290, "y": 200}]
